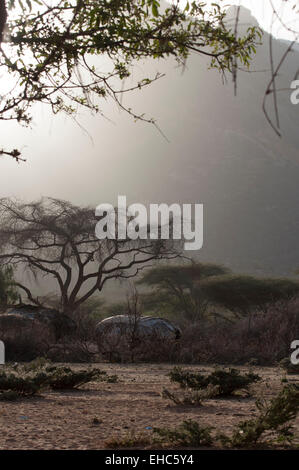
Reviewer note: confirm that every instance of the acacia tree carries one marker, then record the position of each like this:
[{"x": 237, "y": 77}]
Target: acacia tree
[
  {"x": 52, "y": 49},
  {"x": 57, "y": 239},
  {"x": 242, "y": 295},
  {"x": 175, "y": 288}
]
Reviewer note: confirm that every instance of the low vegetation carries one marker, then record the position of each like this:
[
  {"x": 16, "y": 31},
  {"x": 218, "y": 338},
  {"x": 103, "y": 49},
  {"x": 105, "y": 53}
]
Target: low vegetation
[
  {"x": 64, "y": 378},
  {"x": 15, "y": 385},
  {"x": 30, "y": 379},
  {"x": 225, "y": 318},
  {"x": 191, "y": 397},
  {"x": 225, "y": 382},
  {"x": 273, "y": 424},
  {"x": 129, "y": 440},
  {"x": 188, "y": 434}
]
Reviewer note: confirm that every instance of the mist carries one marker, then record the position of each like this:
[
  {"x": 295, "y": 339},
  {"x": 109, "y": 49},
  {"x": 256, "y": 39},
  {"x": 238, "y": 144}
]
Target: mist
[{"x": 212, "y": 148}]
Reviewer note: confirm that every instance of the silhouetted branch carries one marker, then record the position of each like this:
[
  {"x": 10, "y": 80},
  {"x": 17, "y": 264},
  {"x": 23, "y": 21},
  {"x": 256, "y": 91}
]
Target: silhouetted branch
[{"x": 14, "y": 154}]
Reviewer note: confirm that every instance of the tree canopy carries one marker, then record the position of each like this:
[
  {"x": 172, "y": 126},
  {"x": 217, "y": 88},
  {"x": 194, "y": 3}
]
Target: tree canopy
[
  {"x": 52, "y": 50},
  {"x": 191, "y": 290},
  {"x": 174, "y": 288},
  {"x": 241, "y": 294}
]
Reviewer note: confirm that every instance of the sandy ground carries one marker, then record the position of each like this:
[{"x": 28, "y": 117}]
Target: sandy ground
[{"x": 65, "y": 420}]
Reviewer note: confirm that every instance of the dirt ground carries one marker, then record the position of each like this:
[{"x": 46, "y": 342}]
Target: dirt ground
[{"x": 65, "y": 420}]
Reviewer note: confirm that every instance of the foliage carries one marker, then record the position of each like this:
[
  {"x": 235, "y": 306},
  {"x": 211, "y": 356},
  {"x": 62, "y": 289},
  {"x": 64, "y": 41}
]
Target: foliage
[
  {"x": 222, "y": 342},
  {"x": 276, "y": 417},
  {"x": 117, "y": 308},
  {"x": 175, "y": 288},
  {"x": 51, "y": 50},
  {"x": 9, "y": 396},
  {"x": 191, "y": 289},
  {"x": 227, "y": 382},
  {"x": 33, "y": 366},
  {"x": 111, "y": 379},
  {"x": 94, "y": 308},
  {"x": 194, "y": 399},
  {"x": 131, "y": 439},
  {"x": 30, "y": 379},
  {"x": 275, "y": 420},
  {"x": 64, "y": 378},
  {"x": 191, "y": 397},
  {"x": 26, "y": 385},
  {"x": 241, "y": 294},
  {"x": 189, "y": 434}
]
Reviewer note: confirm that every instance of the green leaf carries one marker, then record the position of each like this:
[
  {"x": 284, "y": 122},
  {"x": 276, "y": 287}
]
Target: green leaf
[{"x": 155, "y": 10}]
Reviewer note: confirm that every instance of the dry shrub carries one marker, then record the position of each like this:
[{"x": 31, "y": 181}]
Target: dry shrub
[
  {"x": 267, "y": 341},
  {"x": 26, "y": 340},
  {"x": 153, "y": 348},
  {"x": 81, "y": 344},
  {"x": 191, "y": 397},
  {"x": 129, "y": 440}
]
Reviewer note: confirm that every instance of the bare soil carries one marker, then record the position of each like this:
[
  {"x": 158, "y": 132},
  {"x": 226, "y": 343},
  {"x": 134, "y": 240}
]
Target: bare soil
[{"x": 66, "y": 420}]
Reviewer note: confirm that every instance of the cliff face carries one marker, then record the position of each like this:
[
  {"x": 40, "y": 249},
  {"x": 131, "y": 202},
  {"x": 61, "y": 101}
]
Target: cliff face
[{"x": 226, "y": 155}]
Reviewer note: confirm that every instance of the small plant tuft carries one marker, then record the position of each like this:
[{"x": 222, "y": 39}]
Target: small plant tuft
[
  {"x": 129, "y": 440},
  {"x": 191, "y": 397},
  {"x": 111, "y": 379}
]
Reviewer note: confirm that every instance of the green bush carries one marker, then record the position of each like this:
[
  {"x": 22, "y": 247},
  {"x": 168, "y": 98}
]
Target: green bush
[
  {"x": 188, "y": 434},
  {"x": 276, "y": 416},
  {"x": 227, "y": 381},
  {"x": 64, "y": 378},
  {"x": 27, "y": 385},
  {"x": 9, "y": 396},
  {"x": 30, "y": 379}
]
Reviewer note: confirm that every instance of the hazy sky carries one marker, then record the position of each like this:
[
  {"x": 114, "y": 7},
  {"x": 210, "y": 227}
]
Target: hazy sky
[
  {"x": 263, "y": 11},
  {"x": 220, "y": 148},
  {"x": 96, "y": 160}
]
